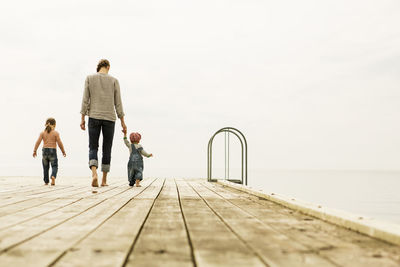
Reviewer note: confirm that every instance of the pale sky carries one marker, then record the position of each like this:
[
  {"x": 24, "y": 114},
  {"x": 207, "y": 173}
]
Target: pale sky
[{"x": 312, "y": 84}]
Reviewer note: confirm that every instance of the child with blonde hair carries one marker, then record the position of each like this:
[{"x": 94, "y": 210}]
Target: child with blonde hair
[
  {"x": 51, "y": 138},
  {"x": 135, "y": 164}
]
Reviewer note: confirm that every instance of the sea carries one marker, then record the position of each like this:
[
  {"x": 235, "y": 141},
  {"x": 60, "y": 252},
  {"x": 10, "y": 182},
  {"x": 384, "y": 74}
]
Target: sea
[{"x": 374, "y": 194}]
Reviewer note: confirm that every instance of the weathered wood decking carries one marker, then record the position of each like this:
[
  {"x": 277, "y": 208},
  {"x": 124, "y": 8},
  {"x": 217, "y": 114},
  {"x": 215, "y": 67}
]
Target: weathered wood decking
[{"x": 168, "y": 222}]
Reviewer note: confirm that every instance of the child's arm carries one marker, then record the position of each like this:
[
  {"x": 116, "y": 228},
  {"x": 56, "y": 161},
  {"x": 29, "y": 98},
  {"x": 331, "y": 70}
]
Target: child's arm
[
  {"x": 127, "y": 143},
  {"x": 144, "y": 153},
  {"x": 60, "y": 144},
  {"x": 37, "y": 144}
]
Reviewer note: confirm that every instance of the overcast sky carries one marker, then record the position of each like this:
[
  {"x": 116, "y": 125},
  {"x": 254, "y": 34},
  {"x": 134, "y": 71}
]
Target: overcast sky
[{"x": 312, "y": 84}]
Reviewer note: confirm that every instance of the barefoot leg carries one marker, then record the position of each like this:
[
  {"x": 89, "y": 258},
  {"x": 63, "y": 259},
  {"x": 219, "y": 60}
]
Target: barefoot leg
[
  {"x": 53, "y": 180},
  {"x": 104, "y": 180},
  {"x": 94, "y": 177}
]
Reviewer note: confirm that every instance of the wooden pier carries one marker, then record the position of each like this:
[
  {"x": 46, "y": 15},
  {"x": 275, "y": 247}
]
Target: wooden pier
[{"x": 168, "y": 222}]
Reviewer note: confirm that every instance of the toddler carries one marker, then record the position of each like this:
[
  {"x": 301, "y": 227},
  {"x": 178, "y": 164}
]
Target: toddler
[
  {"x": 50, "y": 139},
  {"x": 135, "y": 164}
]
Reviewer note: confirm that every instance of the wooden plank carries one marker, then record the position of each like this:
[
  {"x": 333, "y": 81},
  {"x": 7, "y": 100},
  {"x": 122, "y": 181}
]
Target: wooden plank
[
  {"x": 46, "y": 248},
  {"x": 12, "y": 187},
  {"x": 163, "y": 240},
  {"x": 51, "y": 205},
  {"x": 213, "y": 242},
  {"x": 21, "y": 205},
  {"x": 98, "y": 249},
  {"x": 212, "y": 226},
  {"x": 342, "y": 246},
  {"x": 26, "y": 202},
  {"x": 10, "y": 184},
  {"x": 26, "y": 230},
  {"x": 276, "y": 249},
  {"x": 33, "y": 191},
  {"x": 18, "y": 199}
]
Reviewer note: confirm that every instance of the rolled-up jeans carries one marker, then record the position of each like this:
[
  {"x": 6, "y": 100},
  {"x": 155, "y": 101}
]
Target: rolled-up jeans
[
  {"x": 49, "y": 158},
  {"x": 107, "y": 128}
]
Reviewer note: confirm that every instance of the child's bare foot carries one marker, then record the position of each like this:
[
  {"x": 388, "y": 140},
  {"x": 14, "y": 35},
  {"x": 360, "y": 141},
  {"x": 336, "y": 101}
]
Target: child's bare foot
[
  {"x": 46, "y": 183},
  {"x": 138, "y": 183},
  {"x": 53, "y": 181}
]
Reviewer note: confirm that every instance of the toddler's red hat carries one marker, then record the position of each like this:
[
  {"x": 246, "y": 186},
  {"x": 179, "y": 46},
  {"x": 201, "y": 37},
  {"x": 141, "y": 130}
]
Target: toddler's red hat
[{"x": 135, "y": 137}]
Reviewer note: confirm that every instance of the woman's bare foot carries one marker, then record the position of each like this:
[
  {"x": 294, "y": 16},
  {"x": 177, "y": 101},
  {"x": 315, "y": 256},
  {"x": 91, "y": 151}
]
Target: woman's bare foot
[
  {"x": 53, "y": 180},
  {"x": 138, "y": 183},
  {"x": 95, "y": 183},
  {"x": 104, "y": 180}
]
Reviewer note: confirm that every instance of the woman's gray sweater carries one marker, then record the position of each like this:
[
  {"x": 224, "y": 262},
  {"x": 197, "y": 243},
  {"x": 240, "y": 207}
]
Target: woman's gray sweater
[{"x": 102, "y": 97}]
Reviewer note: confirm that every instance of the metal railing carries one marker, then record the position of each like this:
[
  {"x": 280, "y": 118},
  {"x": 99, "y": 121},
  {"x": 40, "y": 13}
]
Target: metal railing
[{"x": 243, "y": 143}]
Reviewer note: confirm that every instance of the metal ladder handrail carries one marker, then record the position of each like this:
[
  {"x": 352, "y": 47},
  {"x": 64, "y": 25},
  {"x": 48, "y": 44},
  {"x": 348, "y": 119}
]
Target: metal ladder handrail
[
  {"x": 244, "y": 152},
  {"x": 210, "y": 154}
]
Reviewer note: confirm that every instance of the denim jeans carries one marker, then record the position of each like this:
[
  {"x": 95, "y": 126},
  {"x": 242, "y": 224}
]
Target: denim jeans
[
  {"x": 49, "y": 158},
  {"x": 135, "y": 165},
  {"x": 107, "y": 128},
  {"x": 135, "y": 171}
]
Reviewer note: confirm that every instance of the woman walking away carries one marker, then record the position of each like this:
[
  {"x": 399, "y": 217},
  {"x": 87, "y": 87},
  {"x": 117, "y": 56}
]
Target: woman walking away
[
  {"x": 51, "y": 138},
  {"x": 101, "y": 99}
]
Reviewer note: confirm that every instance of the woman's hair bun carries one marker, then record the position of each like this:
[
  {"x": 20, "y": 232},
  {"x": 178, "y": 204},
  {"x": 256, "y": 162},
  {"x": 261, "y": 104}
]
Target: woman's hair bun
[{"x": 102, "y": 63}]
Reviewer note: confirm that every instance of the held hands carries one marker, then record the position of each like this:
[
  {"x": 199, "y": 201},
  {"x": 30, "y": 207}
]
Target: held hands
[
  {"x": 124, "y": 128},
  {"x": 150, "y": 155}
]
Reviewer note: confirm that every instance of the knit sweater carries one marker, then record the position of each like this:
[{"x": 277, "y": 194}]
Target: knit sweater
[{"x": 102, "y": 97}]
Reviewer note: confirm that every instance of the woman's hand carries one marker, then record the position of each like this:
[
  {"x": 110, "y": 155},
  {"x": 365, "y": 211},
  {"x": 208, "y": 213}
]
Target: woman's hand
[
  {"x": 83, "y": 127},
  {"x": 34, "y": 154},
  {"x": 123, "y": 125},
  {"x": 124, "y": 128},
  {"x": 64, "y": 154}
]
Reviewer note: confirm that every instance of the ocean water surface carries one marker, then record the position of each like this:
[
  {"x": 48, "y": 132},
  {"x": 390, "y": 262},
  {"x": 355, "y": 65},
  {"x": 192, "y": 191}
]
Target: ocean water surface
[{"x": 374, "y": 194}]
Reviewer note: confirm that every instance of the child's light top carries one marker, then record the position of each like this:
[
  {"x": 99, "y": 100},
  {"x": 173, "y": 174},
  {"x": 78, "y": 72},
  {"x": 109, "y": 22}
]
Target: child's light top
[{"x": 137, "y": 146}]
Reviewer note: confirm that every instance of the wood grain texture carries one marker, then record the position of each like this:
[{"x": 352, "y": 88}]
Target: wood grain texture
[
  {"x": 214, "y": 244},
  {"x": 163, "y": 240},
  {"x": 168, "y": 222},
  {"x": 110, "y": 243}
]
